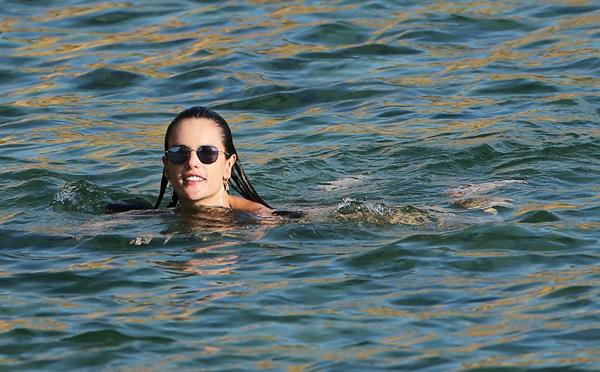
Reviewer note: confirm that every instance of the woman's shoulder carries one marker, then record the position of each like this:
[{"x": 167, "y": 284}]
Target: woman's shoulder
[{"x": 244, "y": 205}]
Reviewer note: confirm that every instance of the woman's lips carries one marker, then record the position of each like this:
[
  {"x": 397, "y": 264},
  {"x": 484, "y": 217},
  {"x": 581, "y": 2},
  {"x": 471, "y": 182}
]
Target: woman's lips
[{"x": 193, "y": 178}]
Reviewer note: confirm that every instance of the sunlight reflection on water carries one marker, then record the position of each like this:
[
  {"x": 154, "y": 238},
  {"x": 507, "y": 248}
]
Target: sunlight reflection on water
[{"x": 445, "y": 154}]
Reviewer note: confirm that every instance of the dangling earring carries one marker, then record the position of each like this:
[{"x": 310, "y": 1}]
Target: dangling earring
[{"x": 226, "y": 184}]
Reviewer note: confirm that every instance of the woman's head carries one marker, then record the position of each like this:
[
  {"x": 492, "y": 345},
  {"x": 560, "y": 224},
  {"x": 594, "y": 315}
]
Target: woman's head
[
  {"x": 197, "y": 163},
  {"x": 200, "y": 160},
  {"x": 200, "y": 112}
]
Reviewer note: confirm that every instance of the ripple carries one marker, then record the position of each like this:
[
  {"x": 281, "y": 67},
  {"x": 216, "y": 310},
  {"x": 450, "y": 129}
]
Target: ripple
[
  {"x": 425, "y": 300},
  {"x": 23, "y": 239},
  {"x": 539, "y": 217},
  {"x": 112, "y": 17},
  {"x": 107, "y": 79},
  {"x": 389, "y": 258},
  {"x": 514, "y": 87},
  {"x": 570, "y": 291},
  {"x": 10, "y": 76},
  {"x": 560, "y": 11},
  {"x": 286, "y": 64},
  {"x": 199, "y": 79},
  {"x": 509, "y": 238},
  {"x": 80, "y": 196},
  {"x": 539, "y": 44},
  {"x": 10, "y": 112},
  {"x": 491, "y": 24},
  {"x": 339, "y": 33},
  {"x": 377, "y": 50},
  {"x": 285, "y": 101},
  {"x": 131, "y": 46},
  {"x": 584, "y": 335},
  {"x": 65, "y": 282},
  {"x": 110, "y": 337},
  {"x": 99, "y": 17},
  {"x": 432, "y": 36},
  {"x": 467, "y": 158}
]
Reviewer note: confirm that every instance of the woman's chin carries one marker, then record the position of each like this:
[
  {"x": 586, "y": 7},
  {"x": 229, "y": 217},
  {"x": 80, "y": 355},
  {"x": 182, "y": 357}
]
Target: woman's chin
[{"x": 194, "y": 195}]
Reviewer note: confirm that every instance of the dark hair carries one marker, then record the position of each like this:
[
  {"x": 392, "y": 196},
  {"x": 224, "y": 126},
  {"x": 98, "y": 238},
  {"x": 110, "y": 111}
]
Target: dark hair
[{"x": 239, "y": 181}]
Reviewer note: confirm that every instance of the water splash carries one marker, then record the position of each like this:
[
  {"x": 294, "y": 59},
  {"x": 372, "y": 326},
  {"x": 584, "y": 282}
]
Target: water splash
[
  {"x": 378, "y": 213},
  {"x": 80, "y": 196},
  {"x": 470, "y": 196},
  {"x": 479, "y": 188}
]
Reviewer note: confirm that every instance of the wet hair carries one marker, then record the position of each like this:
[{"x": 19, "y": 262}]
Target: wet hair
[{"x": 238, "y": 180}]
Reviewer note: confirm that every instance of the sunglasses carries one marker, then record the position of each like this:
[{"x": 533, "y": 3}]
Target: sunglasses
[{"x": 206, "y": 154}]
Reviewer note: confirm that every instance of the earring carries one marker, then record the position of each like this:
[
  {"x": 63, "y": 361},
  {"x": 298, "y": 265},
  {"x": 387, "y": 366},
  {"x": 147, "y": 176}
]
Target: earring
[{"x": 226, "y": 184}]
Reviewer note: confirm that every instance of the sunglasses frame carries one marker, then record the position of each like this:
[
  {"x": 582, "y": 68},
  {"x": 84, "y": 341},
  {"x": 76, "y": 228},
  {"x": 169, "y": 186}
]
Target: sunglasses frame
[{"x": 198, "y": 152}]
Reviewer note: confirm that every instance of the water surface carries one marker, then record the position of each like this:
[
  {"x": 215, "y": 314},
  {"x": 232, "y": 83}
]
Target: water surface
[{"x": 447, "y": 154}]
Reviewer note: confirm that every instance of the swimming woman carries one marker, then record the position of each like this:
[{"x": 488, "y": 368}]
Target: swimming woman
[{"x": 201, "y": 162}]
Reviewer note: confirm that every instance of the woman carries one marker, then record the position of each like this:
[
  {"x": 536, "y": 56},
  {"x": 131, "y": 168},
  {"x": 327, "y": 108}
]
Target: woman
[{"x": 201, "y": 162}]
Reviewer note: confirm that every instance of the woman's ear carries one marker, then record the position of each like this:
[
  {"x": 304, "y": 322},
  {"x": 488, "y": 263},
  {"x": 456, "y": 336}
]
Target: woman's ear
[{"x": 229, "y": 166}]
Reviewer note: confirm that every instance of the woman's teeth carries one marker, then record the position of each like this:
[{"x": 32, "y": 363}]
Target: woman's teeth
[{"x": 193, "y": 178}]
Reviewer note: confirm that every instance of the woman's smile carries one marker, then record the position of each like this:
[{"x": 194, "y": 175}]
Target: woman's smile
[{"x": 193, "y": 178}]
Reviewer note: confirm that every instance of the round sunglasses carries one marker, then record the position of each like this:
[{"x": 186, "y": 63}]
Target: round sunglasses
[{"x": 206, "y": 154}]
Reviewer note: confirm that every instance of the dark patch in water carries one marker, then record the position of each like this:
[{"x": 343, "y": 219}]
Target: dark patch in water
[
  {"x": 430, "y": 36},
  {"x": 571, "y": 291},
  {"x": 490, "y": 24},
  {"x": 376, "y": 50},
  {"x": 110, "y": 337},
  {"x": 539, "y": 217},
  {"x": 113, "y": 17},
  {"x": 514, "y": 87},
  {"x": 561, "y": 11},
  {"x": 389, "y": 257},
  {"x": 275, "y": 102},
  {"x": 107, "y": 79},
  {"x": 7, "y": 111},
  {"x": 340, "y": 33}
]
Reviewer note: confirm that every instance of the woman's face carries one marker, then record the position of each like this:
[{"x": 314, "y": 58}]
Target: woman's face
[{"x": 194, "y": 182}]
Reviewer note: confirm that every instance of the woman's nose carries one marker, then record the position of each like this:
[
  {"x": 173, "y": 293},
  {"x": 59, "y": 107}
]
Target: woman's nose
[{"x": 193, "y": 160}]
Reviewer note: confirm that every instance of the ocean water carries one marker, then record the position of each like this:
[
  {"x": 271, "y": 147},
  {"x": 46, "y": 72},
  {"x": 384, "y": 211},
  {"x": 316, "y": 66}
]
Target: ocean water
[{"x": 446, "y": 155}]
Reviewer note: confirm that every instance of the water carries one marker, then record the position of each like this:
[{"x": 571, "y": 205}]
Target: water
[{"x": 446, "y": 153}]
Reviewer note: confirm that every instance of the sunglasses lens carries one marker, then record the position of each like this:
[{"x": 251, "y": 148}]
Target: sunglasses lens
[
  {"x": 177, "y": 155},
  {"x": 207, "y": 154}
]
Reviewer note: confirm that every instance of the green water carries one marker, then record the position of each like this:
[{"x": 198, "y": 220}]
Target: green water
[{"x": 447, "y": 155}]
